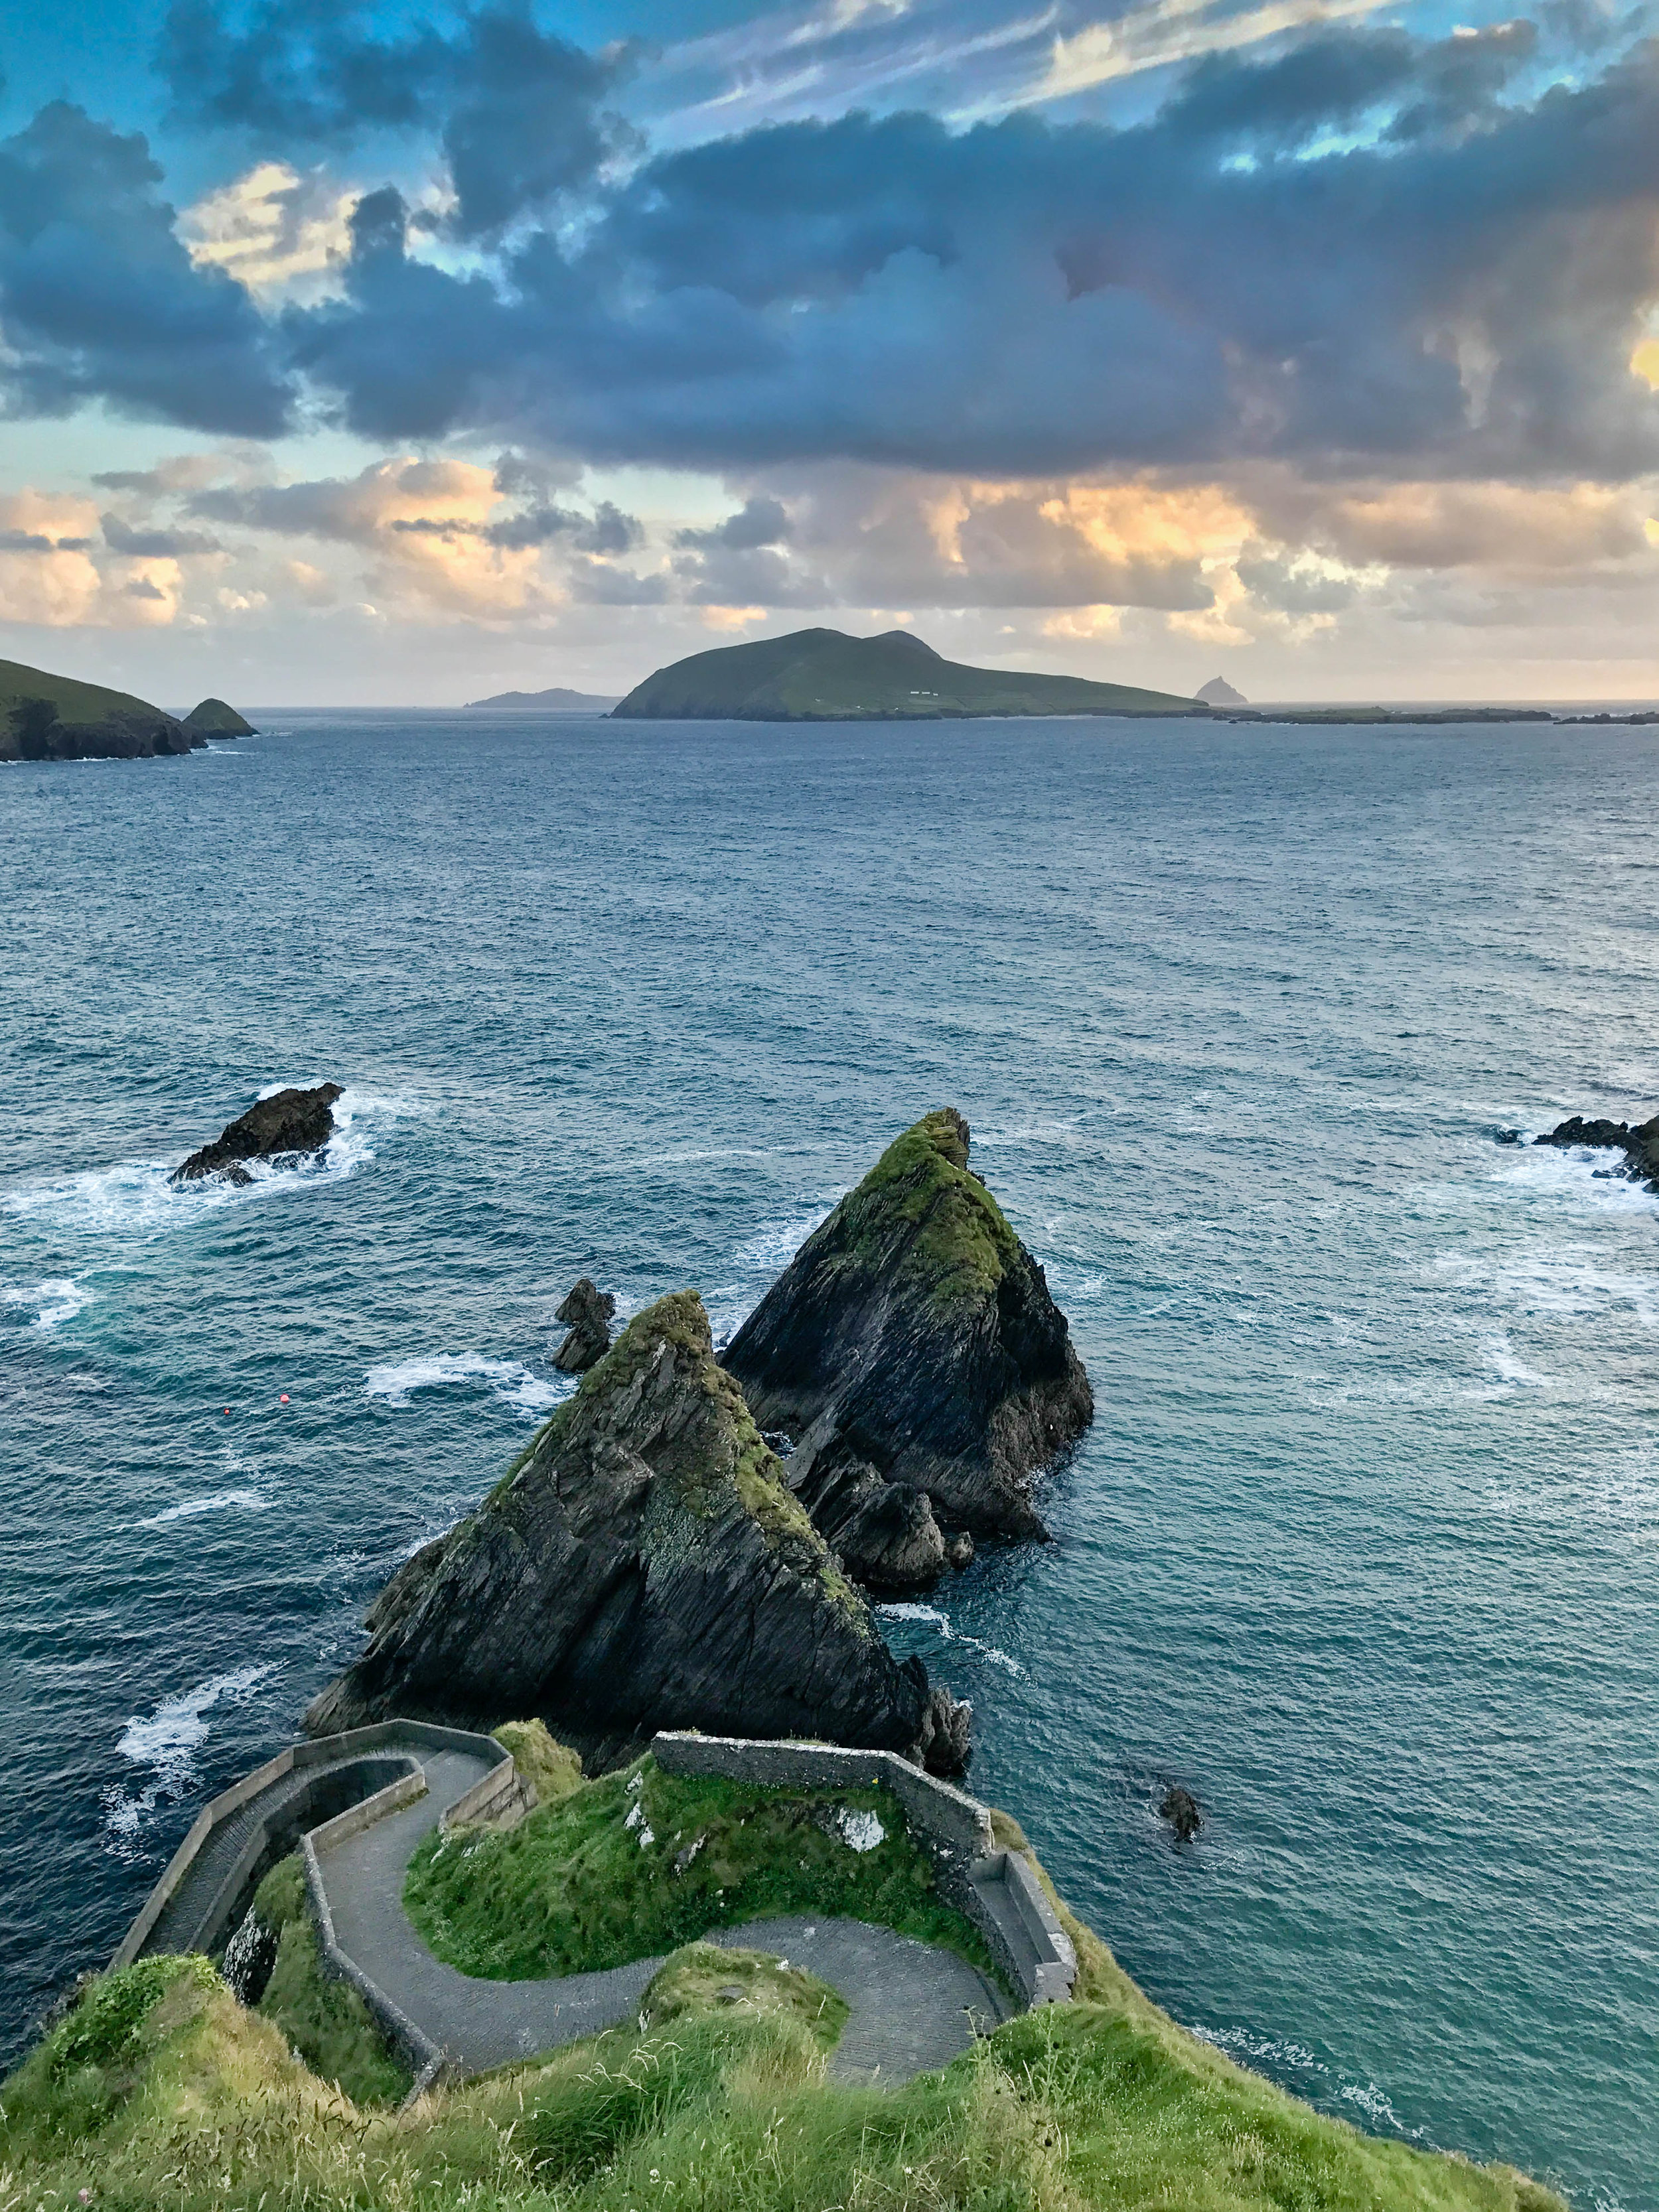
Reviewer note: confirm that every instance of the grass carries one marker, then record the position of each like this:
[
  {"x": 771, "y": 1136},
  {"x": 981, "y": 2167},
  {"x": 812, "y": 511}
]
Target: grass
[
  {"x": 551, "y": 1770},
  {"x": 323, "y": 2021},
  {"x": 707, "y": 1978},
  {"x": 1099, "y": 2106},
  {"x": 76, "y": 701},
  {"x": 642, "y": 1862},
  {"x": 962, "y": 1245}
]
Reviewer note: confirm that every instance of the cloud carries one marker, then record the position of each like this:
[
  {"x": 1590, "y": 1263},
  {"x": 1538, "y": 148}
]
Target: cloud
[
  {"x": 50, "y": 578},
  {"x": 757, "y": 522},
  {"x": 1462, "y": 291},
  {"x": 154, "y": 544},
  {"x": 100, "y": 301},
  {"x": 281, "y": 234},
  {"x": 516, "y": 110}
]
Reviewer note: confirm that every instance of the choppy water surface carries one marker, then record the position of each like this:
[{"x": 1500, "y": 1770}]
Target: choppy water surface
[{"x": 1364, "y": 1543}]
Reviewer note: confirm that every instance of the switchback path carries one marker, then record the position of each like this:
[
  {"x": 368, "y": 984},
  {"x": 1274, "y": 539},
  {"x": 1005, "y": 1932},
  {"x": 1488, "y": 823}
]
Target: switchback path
[{"x": 911, "y": 2006}]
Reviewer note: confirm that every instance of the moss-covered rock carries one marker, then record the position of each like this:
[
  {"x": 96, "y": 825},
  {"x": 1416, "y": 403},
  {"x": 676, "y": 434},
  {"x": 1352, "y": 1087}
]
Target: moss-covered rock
[
  {"x": 912, "y": 1343},
  {"x": 642, "y": 1566}
]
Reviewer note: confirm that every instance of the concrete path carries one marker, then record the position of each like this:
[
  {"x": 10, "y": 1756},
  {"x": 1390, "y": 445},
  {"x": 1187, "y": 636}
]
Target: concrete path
[{"x": 911, "y": 2006}]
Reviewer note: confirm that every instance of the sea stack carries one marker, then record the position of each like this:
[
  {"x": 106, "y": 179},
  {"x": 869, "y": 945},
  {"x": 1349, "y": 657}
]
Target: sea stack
[
  {"x": 912, "y": 1343},
  {"x": 289, "y": 1125},
  {"x": 643, "y": 1567},
  {"x": 586, "y": 1312}
]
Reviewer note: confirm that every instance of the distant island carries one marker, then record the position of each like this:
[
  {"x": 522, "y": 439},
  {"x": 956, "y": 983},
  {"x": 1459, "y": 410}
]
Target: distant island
[
  {"x": 824, "y": 676},
  {"x": 1218, "y": 692},
  {"x": 44, "y": 718},
  {"x": 558, "y": 701}
]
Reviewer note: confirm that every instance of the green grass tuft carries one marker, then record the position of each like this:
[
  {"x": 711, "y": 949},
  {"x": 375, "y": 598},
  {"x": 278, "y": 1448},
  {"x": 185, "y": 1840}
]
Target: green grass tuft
[
  {"x": 707, "y": 1978},
  {"x": 552, "y": 1770},
  {"x": 572, "y": 1887},
  {"x": 325, "y": 2020}
]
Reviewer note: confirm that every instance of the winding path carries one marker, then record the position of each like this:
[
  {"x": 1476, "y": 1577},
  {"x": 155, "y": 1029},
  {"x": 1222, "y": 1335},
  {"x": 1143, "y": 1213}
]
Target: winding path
[{"x": 911, "y": 2006}]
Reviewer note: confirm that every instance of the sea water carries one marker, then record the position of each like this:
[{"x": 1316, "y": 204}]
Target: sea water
[{"x": 1362, "y": 1547}]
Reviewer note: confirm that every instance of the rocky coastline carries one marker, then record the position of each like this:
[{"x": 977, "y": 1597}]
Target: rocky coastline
[{"x": 1637, "y": 1141}]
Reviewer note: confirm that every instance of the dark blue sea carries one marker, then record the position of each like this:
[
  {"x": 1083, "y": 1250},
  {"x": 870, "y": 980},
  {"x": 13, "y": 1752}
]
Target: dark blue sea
[{"x": 1364, "y": 1545}]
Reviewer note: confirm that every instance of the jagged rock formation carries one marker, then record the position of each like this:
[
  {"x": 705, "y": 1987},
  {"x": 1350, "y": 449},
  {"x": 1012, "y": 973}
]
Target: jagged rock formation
[
  {"x": 586, "y": 1312},
  {"x": 1180, "y": 1809},
  {"x": 643, "y": 1567},
  {"x": 912, "y": 1341},
  {"x": 1637, "y": 1141},
  {"x": 1218, "y": 692},
  {"x": 289, "y": 1125}
]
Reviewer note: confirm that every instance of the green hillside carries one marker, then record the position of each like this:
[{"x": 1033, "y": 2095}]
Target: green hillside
[
  {"x": 824, "y": 676},
  {"x": 74, "y": 702},
  {"x": 214, "y": 719}
]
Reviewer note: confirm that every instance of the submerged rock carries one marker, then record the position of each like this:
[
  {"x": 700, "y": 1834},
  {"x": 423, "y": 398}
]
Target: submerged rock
[
  {"x": 1637, "y": 1141},
  {"x": 586, "y": 1312},
  {"x": 643, "y": 1567},
  {"x": 289, "y": 1125},
  {"x": 1180, "y": 1808},
  {"x": 912, "y": 1336}
]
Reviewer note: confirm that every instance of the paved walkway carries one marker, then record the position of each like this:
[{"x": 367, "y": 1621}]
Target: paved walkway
[{"x": 911, "y": 2006}]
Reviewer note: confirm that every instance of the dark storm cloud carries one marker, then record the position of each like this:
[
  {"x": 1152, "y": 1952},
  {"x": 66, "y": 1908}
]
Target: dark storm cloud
[
  {"x": 99, "y": 300},
  {"x": 31, "y": 541},
  {"x": 1366, "y": 252},
  {"x": 1460, "y": 290},
  {"x": 516, "y": 109},
  {"x": 607, "y": 530}
]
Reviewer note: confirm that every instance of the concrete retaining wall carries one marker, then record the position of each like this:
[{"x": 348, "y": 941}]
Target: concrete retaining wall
[
  {"x": 217, "y": 1915},
  {"x": 995, "y": 1889}
]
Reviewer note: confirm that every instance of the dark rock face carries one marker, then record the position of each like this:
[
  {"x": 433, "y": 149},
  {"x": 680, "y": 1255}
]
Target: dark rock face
[
  {"x": 289, "y": 1125},
  {"x": 912, "y": 1336},
  {"x": 642, "y": 1567},
  {"x": 213, "y": 719},
  {"x": 34, "y": 732},
  {"x": 1639, "y": 1141},
  {"x": 1180, "y": 1808},
  {"x": 586, "y": 1314}
]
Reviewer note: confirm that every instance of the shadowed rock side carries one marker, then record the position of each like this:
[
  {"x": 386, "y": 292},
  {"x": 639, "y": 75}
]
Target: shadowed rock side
[
  {"x": 586, "y": 1313},
  {"x": 288, "y": 1125},
  {"x": 1638, "y": 1141},
  {"x": 643, "y": 1567},
  {"x": 912, "y": 1346}
]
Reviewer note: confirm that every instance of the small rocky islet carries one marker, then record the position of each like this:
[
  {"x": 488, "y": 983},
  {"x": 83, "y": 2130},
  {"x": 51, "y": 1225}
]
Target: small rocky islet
[
  {"x": 285, "y": 1127},
  {"x": 684, "y": 1542},
  {"x": 1637, "y": 1141}
]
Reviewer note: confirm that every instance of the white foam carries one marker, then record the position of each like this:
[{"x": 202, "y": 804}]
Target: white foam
[
  {"x": 1502, "y": 1354},
  {"x": 1590, "y": 1176},
  {"x": 167, "y": 1741},
  {"x": 769, "y": 1248},
  {"x": 931, "y": 1617},
  {"x": 222, "y": 1501},
  {"x": 509, "y": 1379},
  {"x": 134, "y": 1198},
  {"x": 56, "y": 1301}
]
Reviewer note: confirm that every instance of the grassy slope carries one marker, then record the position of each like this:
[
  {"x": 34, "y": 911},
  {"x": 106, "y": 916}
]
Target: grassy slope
[
  {"x": 822, "y": 674},
  {"x": 325, "y": 2021},
  {"x": 1103, "y": 2103},
  {"x": 74, "y": 702},
  {"x": 213, "y": 716},
  {"x": 573, "y": 1886},
  {"x": 922, "y": 1179}
]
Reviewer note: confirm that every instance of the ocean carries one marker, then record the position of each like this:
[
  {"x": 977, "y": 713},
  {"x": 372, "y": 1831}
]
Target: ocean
[{"x": 1362, "y": 1547}]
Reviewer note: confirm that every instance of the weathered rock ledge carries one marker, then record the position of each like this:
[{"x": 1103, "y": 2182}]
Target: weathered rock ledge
[
  {"x": 643, "y": 1567},
  {"x": 1639, "y": 1141},
  {"x": 289, "y": 1125},
  {"x": 912, "y": 1354}
]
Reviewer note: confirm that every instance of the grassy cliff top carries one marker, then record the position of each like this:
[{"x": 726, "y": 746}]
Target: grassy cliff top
[
  {"x": 160, "y": 2089},
  {"x": 76, "y": 701},
  {"x": 824, "y": 675},
  {"x": 922, "y": 1191},
  {"x": 641, "y": 1861}
]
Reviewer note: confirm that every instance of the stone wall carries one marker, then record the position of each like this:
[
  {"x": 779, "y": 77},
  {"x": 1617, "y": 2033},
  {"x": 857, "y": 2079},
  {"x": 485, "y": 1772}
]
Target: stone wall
[{"x": 996, "y": 1890}]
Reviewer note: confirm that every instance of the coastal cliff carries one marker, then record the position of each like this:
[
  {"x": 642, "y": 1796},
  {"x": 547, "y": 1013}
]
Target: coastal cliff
[
  {"x": 44, "y": 717},
  {"x": 642, "y": 1566},
  {"x": 1637, "y": 1141},
  {"x": 912, "y": 1343}
]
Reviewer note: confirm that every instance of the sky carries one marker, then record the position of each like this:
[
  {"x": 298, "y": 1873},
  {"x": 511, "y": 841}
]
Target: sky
[{"x": 401, "y": 355}]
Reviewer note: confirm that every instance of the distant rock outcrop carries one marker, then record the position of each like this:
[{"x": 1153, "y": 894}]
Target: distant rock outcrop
[
  {"x": 586, "y": 1312},
  {"x": 1637, "y": 1141},
  {"x": 912, "y": 1343},
  {"x": 214, "y": 719},
  {"x": 643, "y": 1567},
  {"x": 289, "y": 1125},
  {"x": 1218, "y": 692},
  {"x": 1180, "y": 1809}
]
